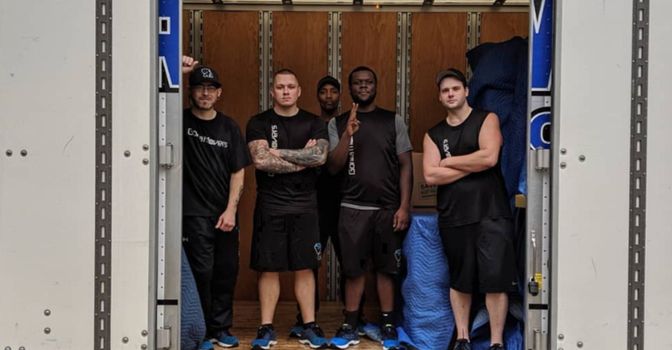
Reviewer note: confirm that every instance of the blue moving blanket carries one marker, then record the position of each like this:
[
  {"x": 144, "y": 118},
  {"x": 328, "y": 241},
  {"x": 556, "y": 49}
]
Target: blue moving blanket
[
  {"x": 427, "y": 315},
  {"x": 192, "y": 326}
]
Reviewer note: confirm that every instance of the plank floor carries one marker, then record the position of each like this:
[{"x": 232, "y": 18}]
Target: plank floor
[{"x": 246, "y": 321}]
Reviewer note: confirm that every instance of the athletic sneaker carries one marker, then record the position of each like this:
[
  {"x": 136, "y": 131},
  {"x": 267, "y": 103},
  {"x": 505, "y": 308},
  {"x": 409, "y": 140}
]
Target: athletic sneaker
[
  {"x": 462, "y": 344},
  {"x": 345, "y": 336},
  {"x": 206, "y": 345},
  {"x": 295, "y": 331},
  {"x": 265, "y": 338},
  {"x": 226, "y": 340},
  {"x": 313, "y": 337},
  {"x": 390, "y": 339},
  {"x": 496, "y": 347}
]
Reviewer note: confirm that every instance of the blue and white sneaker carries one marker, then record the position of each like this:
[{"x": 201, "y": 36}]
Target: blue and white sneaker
[
  {"x": 206, "y": 345},
  {"x": 313, "y": 337},
  {"x": 390, "y": 339},
  {"x": 345, "y": 336},
  {"x": 265, "y": 338},
  {"x": 296, "y": 330},
  {"x": 226, "y": 340}
]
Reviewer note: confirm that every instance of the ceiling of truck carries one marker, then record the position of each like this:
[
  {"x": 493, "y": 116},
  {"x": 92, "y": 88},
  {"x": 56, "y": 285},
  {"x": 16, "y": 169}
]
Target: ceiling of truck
[{"x": 365, "y": 2}]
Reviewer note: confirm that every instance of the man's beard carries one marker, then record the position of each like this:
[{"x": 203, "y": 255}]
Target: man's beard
[
  {"x": 363, "y": 103},
  {"x": 194, "y": 104}
]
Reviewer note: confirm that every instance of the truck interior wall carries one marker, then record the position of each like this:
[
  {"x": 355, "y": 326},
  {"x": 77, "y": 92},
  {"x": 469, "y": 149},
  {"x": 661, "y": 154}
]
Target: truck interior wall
[{"x": 230, "y": 42}]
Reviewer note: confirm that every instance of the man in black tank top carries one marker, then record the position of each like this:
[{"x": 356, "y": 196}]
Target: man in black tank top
[
  {"x": 461, "y": 156},
  {"x": 287, "y": 145},
  {"x": 370, "y": 150}
]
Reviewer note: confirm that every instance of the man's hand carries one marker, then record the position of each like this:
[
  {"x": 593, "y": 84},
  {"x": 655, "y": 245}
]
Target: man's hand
[
  {"x": 227, "y": 221},
  {"x": 353, "y": 122},
  {"x": 445, "y": 162},
  {"x": 401, "y": 219},
  {"x": 188, "y": 64},
  {"x": 310, "y": 143}
]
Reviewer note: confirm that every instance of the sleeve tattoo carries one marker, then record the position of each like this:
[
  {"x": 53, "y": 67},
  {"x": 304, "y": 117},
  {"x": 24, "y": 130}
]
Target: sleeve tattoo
[
  {"x": 307, "y": 157},
  {"x": 265, "y": 161}
]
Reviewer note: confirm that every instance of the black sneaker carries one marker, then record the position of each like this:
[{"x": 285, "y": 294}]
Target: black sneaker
[
  {"x": 496, "y": 347},
  {"x": 345, "y": 337},
  {"x": 390, "y": 339},
  {"x": 265, "y": 338},
  {"x": 462, "y": 344}
]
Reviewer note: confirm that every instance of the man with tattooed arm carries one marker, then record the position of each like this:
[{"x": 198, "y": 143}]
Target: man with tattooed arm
[{"x": 287, "y": 144}]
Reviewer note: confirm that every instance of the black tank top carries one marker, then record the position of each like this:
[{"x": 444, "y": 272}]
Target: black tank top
[
  {"x": 478, "y": 195},
  {"x": 371, "y": 173}
]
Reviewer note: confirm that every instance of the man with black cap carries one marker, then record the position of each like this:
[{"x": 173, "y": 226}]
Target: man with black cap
[
  {"x": 461, "y": 156},
  {"x": 371, "y": 150},
  {"x": 215, "y": 155}
]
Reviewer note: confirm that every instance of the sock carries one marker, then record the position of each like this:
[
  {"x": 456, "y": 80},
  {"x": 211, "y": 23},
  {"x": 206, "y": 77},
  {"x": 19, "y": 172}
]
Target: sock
[
  {"x": 387, "y": 318},
  {"x": 351, "y": 317},
  {"x": 308, "y": 325}
]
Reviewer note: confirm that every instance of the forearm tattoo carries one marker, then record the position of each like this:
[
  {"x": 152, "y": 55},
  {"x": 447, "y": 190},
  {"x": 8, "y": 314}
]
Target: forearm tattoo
[
  {"x": 265, "y": 161},
  {"x": 308, "y": 157}
]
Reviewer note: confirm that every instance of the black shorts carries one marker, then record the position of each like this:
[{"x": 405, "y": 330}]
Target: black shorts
[
  {"x": 285, "y": 242},
  {"x": 481, "y": 257},
  {"x": 365, "y": 234}
]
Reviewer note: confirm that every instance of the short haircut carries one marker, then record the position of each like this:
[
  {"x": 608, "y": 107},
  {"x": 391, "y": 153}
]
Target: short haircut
[
  {"x": 284, "y": 71},
  {"x": 362, "y": 69}
]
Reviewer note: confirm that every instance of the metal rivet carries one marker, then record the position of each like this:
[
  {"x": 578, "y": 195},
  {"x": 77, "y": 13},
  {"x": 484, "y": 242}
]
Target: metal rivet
[
  {"x": 561, "y": 336},
  {"x": 47, "y": 330},
  {"x": 563, "y": 165},
  {"x": 145, "y": 161},
  {"x": 9, "y": 152},
  {"x": 127, "y": 154},
  {"x": 8, "y": 348},
  {"x": 143, "y": 346},
  {"x": 47, "y": 312},
  {"x": 24, "y": 153},
  {"x": 144, "y": 333},
  {"x": 579, "y": 344},
  {"x": 22, "y": 348},
  {"x": 145, "y": 147},
  {"x": 582, "y": 158},
  {"x": 124, "y": 340},
  {"x": 563, "y": 151}
]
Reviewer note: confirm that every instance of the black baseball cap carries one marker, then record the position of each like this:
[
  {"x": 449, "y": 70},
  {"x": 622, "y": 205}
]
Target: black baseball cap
[
  {"x": 204, "y": 74},
  {"x": 328, "y": 80},
  {"x": 451, "y": 73}
]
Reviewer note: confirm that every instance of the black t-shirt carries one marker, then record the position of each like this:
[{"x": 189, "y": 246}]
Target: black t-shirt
[
  {"x": 370, "y": 177},
  {"x": 290, "y": 192},
  {"x": 478, "y": 195},
  {"x": 213, "y": 150}
]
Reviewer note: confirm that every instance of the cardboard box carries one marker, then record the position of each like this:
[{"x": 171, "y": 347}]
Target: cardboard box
[{"x": 424, "y": 196}]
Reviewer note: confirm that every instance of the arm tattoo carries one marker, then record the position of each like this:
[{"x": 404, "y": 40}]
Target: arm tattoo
[
  {"x": 236, "y": 200},
  {"x": 265, "y": 161},
  {"x": 308, "y": 157}
]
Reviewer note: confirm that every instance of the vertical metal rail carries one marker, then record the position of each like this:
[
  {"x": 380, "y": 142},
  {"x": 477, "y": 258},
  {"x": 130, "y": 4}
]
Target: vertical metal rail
[
  {"x": 265, "y": 58},
  {"x": 103, "y": 230},
  {"x": 403, "y": 64},
  {"x": 638, "y": 131}
]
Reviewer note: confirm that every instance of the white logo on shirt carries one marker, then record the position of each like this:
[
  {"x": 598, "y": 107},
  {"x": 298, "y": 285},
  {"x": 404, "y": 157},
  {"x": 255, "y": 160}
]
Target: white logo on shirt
[
  {"x": 351, "y": 158},
  {"x": 207, "y": 139},
  {"x": 274, "y": 136},
  {"x": 446, "y": 148}
]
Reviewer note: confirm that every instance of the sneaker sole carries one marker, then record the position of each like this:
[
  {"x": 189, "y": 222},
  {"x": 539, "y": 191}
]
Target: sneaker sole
[
  {"x": 345, "y": 346},
  {"x": 223, "y": 345},
  {"x": 260, "y": 347},
  {"x": 313, "y": 346}
]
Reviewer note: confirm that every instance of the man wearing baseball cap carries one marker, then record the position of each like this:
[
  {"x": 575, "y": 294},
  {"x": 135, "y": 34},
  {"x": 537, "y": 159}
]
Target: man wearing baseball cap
[
  {"x": 461, "y": 156},
  {"x": 215, "y": 155}
]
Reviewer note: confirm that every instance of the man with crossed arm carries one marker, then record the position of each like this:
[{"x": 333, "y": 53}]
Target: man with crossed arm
[{"x": 287, "y": 144}]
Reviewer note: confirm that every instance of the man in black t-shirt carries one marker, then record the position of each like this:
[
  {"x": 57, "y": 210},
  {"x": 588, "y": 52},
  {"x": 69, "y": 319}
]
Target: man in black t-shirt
[
  {"x": 371, "y": 150},
  {"x": 287, "y": 145},
  {"x": 214, "y": 160},
  {"x": 461, "y": 156}
]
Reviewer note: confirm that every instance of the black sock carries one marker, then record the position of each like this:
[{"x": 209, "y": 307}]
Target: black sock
[
  {"x": 351, "y": 317},
  {"x": 268, "y": 325},
  {"x": 307, "y": 325},
  {"x": 387, "y": 318}
]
